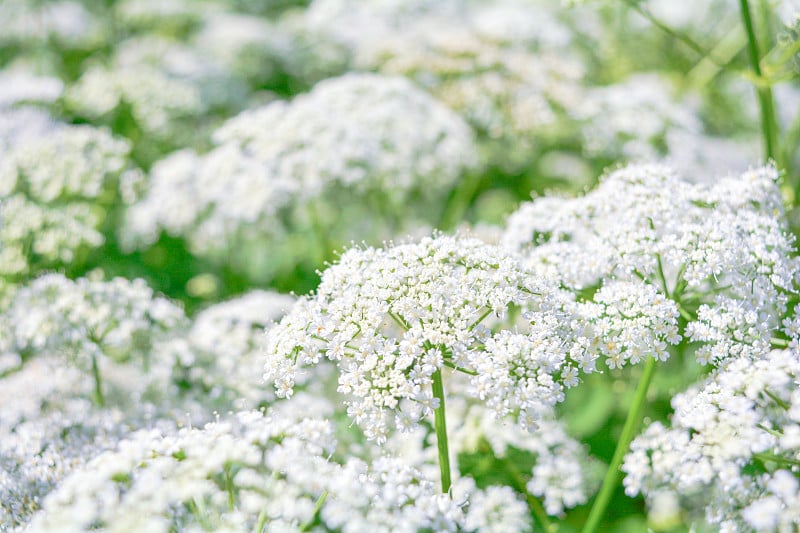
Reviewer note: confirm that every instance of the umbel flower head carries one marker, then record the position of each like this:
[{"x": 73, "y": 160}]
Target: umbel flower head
[
  {"x": 53, "y": 188},
  {"x": 255, "y": 471},
  {"x": 360, "y": 134},
  {"x": 86, "y": 319},
  {"x": 391, "y": 318},
  {"x": 733, "y": 446},
  {"x": 503, "y": 66},
  {"x": 131, "y": 362},
  {"x": 719, "y": 255}
]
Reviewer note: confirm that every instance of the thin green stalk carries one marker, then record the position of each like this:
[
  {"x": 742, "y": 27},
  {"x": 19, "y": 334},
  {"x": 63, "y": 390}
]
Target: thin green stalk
[
  {"x": 728, "y": 47},
  {"x": 98, "y": 383},
  {"x": 766, "y": 103},
  {"x": 612, "y": 474},
  {"x": 324, "y": 246},
  {"x": 229, "y": 488},
  {"x": 450, "y": 364},
  {"x": 198, "y": 509},
  {"x": 675, "y": 34},
  {"x": 534, "y": 504},
  {"x": 459, "y": 201},
  {"x": 262, "y": 521},
  {"x": 777, "y": 399},
  {"x": 768, "y": 457},
  {"x": 317, "y": 507},
  {"x": 779, "y": 343},
  {"x": 440, "y": 424}
]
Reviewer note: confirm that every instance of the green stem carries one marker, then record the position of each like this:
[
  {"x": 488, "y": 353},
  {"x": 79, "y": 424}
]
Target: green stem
[
  {"x": 98, "y": 383},
  {"x": 262, "y": 521},
  {"x": 198, "y": 509},
  {"x": 440, "y": 424},
  {"x": 229, "y": 488},
  {"x": 628, "y": 431},
  {"x": 450, "y": 364},
  {"x": 320, "y": 233},
  {"x": 317, "y": 507},
  {"x": 534, "y": 504},
  {"x": 766, "y": 103},
  {"x": 459, "y": 201},
  {"x": 779, "y": 343},
  {"x": 675, "y": 34},
  {"x": 768, "y": 457},
  {"x": 777, "y": 399}
]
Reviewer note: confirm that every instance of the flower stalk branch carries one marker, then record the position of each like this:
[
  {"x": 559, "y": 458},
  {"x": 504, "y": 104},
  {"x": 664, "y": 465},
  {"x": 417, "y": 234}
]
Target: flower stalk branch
[
  {"x": 440, "y": 424},
  {"x": 611, "y": 479}
]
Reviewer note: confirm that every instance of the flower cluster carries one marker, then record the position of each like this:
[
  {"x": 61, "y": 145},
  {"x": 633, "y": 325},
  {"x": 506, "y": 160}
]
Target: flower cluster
[
  {"x": 67, "y": 22},
  {"x": 733, "y": 446},
  {"x": 717, "y": 254},
  {"x": 497, "y": 85},
  {"x": 48, "y": 428},
  {"x": 631, "y": 118},
  {"x": 153, "y": 97},
  {"x": 352, "y": 119},
  {"x": 221, "y": 353},
  {"x": 52, "y": 190},
  {"x": 252, "y": 470},
  {"x": 563, "y": 475},
  {"x": 345, "y": 134},
  {"x": 106, "y": 328},
  {"x": 502, "y": 65},
  {"x": 392, "y": 318},
  {"x": 222, "y": 476},
  {"x": 85, "y": 363}
]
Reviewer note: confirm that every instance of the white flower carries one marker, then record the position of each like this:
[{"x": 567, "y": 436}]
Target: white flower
[
  {"x": 719, "y": 255},
  {"x": 149, "y": 479},
  {"x": 390, "y": 318},
  {"x": 497, "y": 510},
  {"x": 20, "y": 86},
  {"x": 631, "y": 118},
  {"x": 106, "y": 328},
  {"x": 69, "y": 23},
  {"x": 350, "y": 139},
  {"x": 48, "y": 188},
  {"x": 154, "y": 97},
  {"x": 221, "y": 354},
  {"x": 726, "y": 446}
]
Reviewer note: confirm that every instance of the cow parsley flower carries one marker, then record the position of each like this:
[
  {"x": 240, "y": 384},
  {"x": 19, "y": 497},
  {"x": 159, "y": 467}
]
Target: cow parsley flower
[
  {"x": 732, "y": 446},
  {"x": 497, "y": 509},
  {"x": 391, "y": 318},
  {"x": 221, "y": 353},
  {"x": 68, "y": 23},
  {"x": 93, "y": 361},
  {"x": 632, "y": 118},
  {"x": 19, "y": 86},
  {"x": 359, "y": 133},
  {"x": 221, "y": 476},
  {"x": 346, "y": 131},
  {"x": 502, "y": 88},
  {"x": 48, "y": 190},
  {"x": 645, "y": 246},
  {"x": 73, "y": 162},
  {"x": 155, "y": 99},
  {"x": 107, "y": 328},
  {"x": 249, "y": 469},
  {"x": 563, "y": 474},
  {"x": 48, "y": 428},
  {"x": 503, "y": 65}
]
